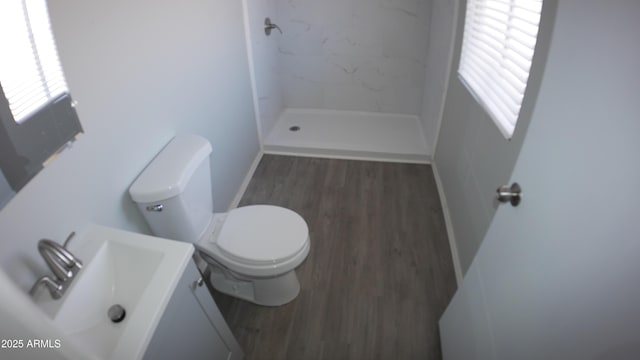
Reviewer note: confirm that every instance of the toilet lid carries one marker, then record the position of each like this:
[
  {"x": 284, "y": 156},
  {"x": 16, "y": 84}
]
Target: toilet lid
[{"x": 262, "y": 234}]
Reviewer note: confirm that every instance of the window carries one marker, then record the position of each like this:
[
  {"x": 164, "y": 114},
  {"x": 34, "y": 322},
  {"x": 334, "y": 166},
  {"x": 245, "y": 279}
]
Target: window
[
  {"x": 37, "y": 117},
  {"x": 32, "y": 77},
  {"x": 497, "y": 48}
]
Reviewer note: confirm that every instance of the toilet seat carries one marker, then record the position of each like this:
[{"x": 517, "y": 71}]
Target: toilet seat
[
  {"x": 262, "y": 235},
  {"x": 260, "y": 240}
]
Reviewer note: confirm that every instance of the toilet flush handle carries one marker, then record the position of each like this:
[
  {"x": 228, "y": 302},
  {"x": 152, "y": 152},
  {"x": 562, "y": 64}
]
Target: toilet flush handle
[{"x": 156, "y": 208}]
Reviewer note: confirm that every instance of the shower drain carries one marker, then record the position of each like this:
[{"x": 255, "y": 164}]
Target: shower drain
[{"x": 294, "y": 128}]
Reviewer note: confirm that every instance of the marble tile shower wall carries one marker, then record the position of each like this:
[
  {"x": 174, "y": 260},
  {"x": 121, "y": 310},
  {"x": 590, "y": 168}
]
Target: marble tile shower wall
[
  {"x": 266, "y": 65},
  {"x": 360, "y": 55}
]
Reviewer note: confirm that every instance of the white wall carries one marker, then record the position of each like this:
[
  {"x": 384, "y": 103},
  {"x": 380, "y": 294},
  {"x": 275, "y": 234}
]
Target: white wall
[
  {"x": 472, "y": 156},
  {"x": 141, "y": 71},
  {"x": 265, "y": 62},
  {"x": 557, "y": 277},
  {"x": 362, "y": 55},
  {"x": 438, "y": 65}
]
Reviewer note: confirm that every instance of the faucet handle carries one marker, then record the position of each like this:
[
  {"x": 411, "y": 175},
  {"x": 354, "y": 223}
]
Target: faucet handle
[
  {"x": 268, "y": 26},
  {"x": 56, "y": 289},
  {"x": 68, "y": 240}
]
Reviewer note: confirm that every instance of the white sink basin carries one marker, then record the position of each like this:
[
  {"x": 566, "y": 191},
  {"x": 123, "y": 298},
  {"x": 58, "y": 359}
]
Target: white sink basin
[{"x": 135, "y": 271}]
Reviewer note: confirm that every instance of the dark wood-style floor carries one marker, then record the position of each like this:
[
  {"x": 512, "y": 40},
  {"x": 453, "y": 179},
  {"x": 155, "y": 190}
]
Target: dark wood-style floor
[{"x": 379, "y": 273}]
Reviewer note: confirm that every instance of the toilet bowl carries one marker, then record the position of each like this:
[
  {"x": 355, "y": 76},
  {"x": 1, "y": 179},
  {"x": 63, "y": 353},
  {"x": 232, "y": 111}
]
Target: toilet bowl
[{"x": 252, "y": 251}]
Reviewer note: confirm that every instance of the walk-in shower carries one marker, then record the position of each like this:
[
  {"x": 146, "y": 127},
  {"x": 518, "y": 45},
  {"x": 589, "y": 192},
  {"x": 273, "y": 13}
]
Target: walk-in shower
[{"x": 350, "y": 78}]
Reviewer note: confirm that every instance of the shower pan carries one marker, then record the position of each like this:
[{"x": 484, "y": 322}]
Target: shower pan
[
  {"x": 347, "y": 134},
  {"x": 345, "y": 79}
]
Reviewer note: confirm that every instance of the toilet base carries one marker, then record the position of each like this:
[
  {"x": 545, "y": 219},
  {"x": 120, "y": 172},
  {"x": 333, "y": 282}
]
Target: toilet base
[{"x": 273, "y": 291}]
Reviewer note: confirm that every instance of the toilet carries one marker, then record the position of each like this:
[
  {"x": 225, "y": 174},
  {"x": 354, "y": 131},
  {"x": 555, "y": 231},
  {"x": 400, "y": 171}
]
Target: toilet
[{"x": 252, "y": 251}]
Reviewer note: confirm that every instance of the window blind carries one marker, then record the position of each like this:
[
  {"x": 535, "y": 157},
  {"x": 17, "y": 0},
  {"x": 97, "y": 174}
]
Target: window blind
[
  {"x": 30, "y": 70},
  {"x": 497, "y": 48}
]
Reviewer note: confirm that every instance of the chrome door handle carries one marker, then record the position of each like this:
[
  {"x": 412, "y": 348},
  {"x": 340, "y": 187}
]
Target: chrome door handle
[{"x": 512, "y": 194}]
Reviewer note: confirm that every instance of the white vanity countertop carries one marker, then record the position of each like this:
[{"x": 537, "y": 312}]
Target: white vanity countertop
[{"x": 138, "y": 271}]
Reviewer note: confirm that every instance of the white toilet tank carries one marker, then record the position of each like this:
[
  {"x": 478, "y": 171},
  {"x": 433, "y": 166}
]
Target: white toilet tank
[{"x": 174, "y": 191}]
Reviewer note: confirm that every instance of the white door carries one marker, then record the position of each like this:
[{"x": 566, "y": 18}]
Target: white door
[{"x": 558, "y": 277}]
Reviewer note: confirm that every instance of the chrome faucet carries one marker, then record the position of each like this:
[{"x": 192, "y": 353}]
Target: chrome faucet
[{"x": 62, "y": 263}]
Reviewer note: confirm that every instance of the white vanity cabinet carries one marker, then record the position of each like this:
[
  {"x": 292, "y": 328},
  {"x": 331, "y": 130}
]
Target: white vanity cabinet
[{"x": 192, "y": 327}]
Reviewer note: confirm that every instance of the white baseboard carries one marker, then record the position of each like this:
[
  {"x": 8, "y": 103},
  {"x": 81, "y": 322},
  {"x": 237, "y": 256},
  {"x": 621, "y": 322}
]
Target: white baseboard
[
  {"x": 245, "y": 181},
  {"x": 449, "y": 224}
]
